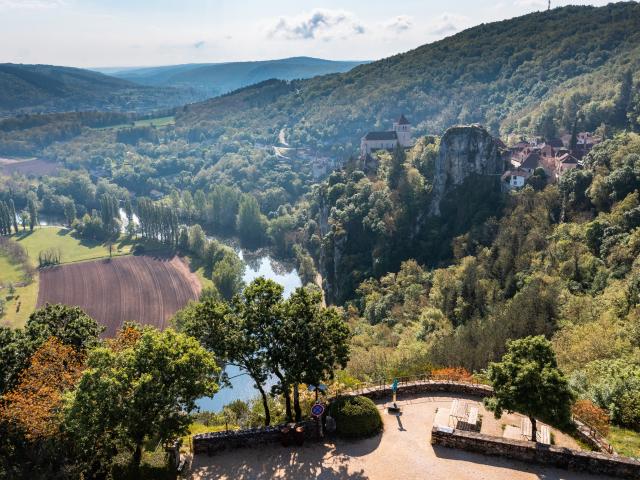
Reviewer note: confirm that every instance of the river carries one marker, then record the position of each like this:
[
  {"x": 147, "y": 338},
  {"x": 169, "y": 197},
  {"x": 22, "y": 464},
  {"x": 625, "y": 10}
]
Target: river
[{"x": 258, "y": 264}]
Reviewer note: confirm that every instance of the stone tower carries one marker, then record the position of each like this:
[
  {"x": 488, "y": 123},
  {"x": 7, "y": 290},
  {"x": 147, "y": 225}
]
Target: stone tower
[{"x": 403, "y": 129}]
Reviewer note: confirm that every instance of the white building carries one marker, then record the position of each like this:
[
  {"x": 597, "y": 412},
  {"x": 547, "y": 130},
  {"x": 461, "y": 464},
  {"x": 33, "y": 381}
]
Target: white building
[{"x": 389, "y": 140}]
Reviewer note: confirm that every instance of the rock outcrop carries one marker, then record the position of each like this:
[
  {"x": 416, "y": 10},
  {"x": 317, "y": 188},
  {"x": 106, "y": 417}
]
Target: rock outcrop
[{"x": 464, "y": 151}]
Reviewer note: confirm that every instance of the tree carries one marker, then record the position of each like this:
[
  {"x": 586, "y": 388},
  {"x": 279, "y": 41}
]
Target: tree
[
  {"x": 33, "y": 214},
  {"x": 251, "y": 223},
  {"x": 308, "y": 343},
  {"x": 236, "y": 332},
  {"x": 197, "y": 240},
  {"x": 70, "y": 212},
  {"x": 227, "y": 276},
  {"x": 138, "y": 389},
  {"x": 396, "y": 168},
  {"x": 32, "y": 406},
  {"x": 70, "y": 325},
  {"x": 528, "y": 380}
]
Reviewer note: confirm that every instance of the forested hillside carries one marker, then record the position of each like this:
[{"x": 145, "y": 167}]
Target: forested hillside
[
  {"x": 47, "y": 88},
  {"x": 213, "y": 79},
  {"x": 561, "y": 262},
  {"x": 534, "y": 73}
]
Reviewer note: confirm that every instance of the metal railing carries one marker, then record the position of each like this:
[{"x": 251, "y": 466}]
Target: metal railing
[{"x": 593, "y": 433}]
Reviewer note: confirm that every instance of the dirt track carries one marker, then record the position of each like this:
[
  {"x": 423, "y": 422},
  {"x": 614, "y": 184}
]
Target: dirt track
[{"x": 145, "y": 289}]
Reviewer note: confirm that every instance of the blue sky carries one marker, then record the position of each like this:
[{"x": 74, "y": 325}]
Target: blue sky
[{"x": 100, "y": 33}]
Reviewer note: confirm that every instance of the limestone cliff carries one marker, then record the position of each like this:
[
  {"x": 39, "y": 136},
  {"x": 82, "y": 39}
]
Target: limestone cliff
[{"x": 464, "y": 151}]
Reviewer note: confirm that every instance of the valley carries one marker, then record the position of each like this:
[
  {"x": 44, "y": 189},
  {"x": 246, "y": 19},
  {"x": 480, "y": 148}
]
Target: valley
[{"x": 318, "y": 261}]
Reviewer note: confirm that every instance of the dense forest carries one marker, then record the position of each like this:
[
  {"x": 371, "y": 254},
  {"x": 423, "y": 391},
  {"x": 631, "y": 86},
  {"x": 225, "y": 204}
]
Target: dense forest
[{"x": 48, "y": 88}]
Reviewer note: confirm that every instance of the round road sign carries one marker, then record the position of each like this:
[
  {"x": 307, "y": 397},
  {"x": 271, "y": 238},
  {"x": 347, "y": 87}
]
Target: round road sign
[{"x": 317, "y": 410}]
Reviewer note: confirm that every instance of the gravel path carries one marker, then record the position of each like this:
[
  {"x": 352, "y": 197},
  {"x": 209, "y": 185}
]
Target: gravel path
[{"x": 402, "y": 452}]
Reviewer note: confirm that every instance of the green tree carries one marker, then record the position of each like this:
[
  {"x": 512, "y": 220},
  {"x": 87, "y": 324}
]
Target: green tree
[
  {"x": 70, "y": 212},
  {"x": 33, "y": 214},
  {"x": 227, "y": 276},
  {"x": 308, "y": 343},
  {"x": 396, "y": 168},
  {"x": 235, "y": 332},
  {"x": 251, "y": 223},
  {"x": 528, "y": 380},
  {"x": 138, "y": 390},
  {"x": 197, "y": 240}
]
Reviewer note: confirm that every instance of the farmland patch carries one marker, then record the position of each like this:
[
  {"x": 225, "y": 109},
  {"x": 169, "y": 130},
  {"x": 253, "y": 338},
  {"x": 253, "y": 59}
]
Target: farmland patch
[{"x": 144, "y": 289}]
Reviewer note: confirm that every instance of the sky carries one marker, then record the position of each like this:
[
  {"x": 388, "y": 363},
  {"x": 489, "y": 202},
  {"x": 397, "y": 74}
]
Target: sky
[{"x": 121, "y": 33}]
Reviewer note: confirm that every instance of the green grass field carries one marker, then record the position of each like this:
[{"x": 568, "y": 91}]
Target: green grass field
[
  {"x": 150, "y": 122},
  {"x": 26, "y": 297},
  {"x": 73, "y": 249},
  {"x": 626, "y": 442},
  {"x": 9, "y": 272}
]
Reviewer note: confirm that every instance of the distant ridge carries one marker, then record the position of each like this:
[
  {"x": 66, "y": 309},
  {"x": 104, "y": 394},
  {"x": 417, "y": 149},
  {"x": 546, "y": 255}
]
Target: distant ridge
[
  {"x": 212, "y": 79},
  {"x": 48, "y": 88}
]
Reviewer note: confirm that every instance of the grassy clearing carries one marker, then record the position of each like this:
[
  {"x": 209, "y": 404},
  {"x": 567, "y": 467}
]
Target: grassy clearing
[
  {"x": 198, "y": 270},
  {"x": 73, "y": 249},
  {"x": 626, "y": 442},
  {"x": 150, "y": 122},
  {"x": 9, "y": 272},
  {"x": 197, "y": 427},
  {"x": 27, "y": 297}
]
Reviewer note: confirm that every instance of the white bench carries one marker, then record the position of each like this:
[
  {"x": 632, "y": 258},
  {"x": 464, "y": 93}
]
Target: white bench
[{"x": 543, "y": 432}]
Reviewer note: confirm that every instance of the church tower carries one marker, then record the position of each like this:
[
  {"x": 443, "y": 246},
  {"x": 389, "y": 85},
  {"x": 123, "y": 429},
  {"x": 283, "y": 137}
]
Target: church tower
[{"x": 403, "y": 130}]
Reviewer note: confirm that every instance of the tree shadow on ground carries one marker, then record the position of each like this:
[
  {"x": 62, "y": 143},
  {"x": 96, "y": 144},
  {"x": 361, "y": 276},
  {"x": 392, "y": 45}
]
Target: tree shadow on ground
[
  {"x": 313, "y": 460},
  {"x": 542, "y": 472}
]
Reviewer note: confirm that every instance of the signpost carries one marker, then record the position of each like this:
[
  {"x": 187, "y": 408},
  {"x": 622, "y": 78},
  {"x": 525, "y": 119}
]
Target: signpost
[{"x": 317, "y": 411}]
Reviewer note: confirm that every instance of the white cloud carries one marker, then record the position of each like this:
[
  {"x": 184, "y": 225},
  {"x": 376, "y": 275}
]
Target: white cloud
[
  {"x": 399, "y": 24},
  {"x": 540, "y": 4},
  {"x": 30, "y": 4},
  {"x": 447, "y": 23},
  {"x": 318, "y": 24}
]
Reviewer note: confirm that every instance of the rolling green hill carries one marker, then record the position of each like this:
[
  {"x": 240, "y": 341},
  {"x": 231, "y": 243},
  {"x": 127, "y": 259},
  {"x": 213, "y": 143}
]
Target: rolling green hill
[
  {"x": 47, "y": 88},
  {"x": 534, "y": 72},
  {"x": 213, "y": 79}
]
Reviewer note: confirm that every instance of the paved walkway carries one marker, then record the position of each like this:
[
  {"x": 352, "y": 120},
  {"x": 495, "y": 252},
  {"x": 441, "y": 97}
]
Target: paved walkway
[{"x": 402, "y": 452}]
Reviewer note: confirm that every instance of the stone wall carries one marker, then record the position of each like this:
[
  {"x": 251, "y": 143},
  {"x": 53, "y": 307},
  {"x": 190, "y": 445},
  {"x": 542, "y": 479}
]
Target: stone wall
[
  {"x": 427, "y": 386},
  {"x": 211, "y": 443},
  {"x": 592, "y": 462}
]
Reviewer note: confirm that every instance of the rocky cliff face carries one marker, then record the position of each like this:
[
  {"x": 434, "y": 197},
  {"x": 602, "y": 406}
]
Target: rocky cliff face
[{"x": 464, "y": 151}]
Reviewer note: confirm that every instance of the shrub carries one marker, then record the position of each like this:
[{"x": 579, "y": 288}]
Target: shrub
[
  {"x": 586, "y": 411},
  {"x": 455, "y": 374},
  {"x": 356, "y": 417}
]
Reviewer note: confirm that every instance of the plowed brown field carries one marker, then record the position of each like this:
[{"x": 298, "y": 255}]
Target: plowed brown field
[{"x": 144, "y": 289}]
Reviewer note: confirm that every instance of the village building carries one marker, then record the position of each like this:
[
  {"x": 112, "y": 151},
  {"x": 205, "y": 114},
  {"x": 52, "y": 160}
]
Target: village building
[
  {"x": 400, "y": 135},
  {"x": 515, "y": 178}
]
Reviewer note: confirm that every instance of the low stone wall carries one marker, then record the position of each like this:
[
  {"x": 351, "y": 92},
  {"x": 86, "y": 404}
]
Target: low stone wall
[
  {"x": 428, "y": 386},
  {"x": 591, "y": 462},
  {"x": 211, "y": 443}
]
